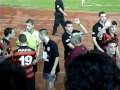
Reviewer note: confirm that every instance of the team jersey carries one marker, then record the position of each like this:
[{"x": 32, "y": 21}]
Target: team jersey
[
  {"x": 107, "y": 37},
  {"x": 4, "y": 43},
  {"x": 24, "y": 56}
]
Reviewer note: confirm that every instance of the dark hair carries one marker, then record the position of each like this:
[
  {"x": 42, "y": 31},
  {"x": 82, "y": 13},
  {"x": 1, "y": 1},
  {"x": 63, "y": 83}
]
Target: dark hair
[
  {"x": 12, "y": 76},
  {"x": 114, "y": 22},
  {"x": 7, "y": 31},
  {"x": 43, "y": 31},
  {"x": 112, "y": 40},
  {"x": 68, "y": 22},
  {"x": 22, "y": 38},
  {"x": 30, "y": 21},
  {"x": 101, "y": 12},
  {"x": 92, "y": 71}
]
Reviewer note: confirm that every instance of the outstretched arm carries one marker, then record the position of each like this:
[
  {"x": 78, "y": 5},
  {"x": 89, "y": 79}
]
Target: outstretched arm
[{"x": 82, "y": 28}]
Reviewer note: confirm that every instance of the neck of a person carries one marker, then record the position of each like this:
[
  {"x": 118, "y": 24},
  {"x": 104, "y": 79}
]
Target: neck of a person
[
  {"x": 46, "y": 40},
  {"x": 23, "y": 44},
  {"x": 112, "y": 34},
  {"x": 102, "y": 23},
  {"x": 77, "y": 44},
  {"x": 7, "y": 38},
  {"x": 31, "y": 31}
]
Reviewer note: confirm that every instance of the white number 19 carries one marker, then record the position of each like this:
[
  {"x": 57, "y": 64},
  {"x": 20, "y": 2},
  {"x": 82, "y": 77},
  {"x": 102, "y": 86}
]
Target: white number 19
[{"x": 26, "y": 60}]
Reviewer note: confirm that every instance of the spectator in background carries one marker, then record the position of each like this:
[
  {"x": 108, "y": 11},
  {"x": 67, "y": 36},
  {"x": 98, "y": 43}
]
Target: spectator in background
[{"x": 93, "y": 70}]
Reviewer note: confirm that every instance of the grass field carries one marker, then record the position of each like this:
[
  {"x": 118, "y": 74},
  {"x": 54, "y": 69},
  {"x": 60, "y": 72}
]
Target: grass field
[{"x": 90, "y": 5}]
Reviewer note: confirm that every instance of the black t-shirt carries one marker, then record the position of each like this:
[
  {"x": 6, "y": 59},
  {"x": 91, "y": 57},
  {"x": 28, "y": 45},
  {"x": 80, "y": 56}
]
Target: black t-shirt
[
  {"x": 66, "y": 39},
  {"x": 52, "y": 52},
  {"x": 96, "y": 28},
  {"x": 59, "y": 3}
]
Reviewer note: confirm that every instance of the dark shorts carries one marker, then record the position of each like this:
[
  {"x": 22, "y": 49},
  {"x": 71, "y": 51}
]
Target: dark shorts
[
  {"x": 50, "y": 77},
  {"x": 31, "y": 83}
]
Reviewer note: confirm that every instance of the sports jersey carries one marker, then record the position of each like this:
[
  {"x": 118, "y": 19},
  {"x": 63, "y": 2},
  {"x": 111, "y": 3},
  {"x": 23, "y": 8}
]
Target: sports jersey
[
  {"x": 33, "y": 39},
  {"x": 4, "y": 42},
  {"x": 24, "y": 56},
  {"x": 51, "y": 50},
  {"x": 107, "y": 37}
]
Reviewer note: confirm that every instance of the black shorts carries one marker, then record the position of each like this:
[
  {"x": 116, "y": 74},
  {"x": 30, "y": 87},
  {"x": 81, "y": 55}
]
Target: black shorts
[{"x": 31, "y": 83}]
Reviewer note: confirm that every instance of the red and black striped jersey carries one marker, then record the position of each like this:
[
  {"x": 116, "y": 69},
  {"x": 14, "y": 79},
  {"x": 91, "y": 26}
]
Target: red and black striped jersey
[
  {"x": 4, "y": 43},
  {"x": 107, "y": 37},
  {"x": 24, "y": 56}
]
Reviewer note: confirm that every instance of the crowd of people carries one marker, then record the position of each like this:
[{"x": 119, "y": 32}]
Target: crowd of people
[{"x": 97, "y": 69}]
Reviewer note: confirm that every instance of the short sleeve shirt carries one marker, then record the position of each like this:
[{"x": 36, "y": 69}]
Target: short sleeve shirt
[
  {"x": 96, "y": 28},
  {"x": 52, "y": 52},
  {"x": 59, "y": 4}
]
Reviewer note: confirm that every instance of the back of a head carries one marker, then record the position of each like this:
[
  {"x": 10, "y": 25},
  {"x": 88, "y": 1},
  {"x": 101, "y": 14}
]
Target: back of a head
[
  {"x": 113, "y": 22},
  {"x": 77, "y": 37},
  {"x": 92, "y": 71},
  {"x": 7, "y": 31},
  {"x": 43, "y": 32},
  {"x": 12, "y": 76},
  {"x": 22, "y": 38}
]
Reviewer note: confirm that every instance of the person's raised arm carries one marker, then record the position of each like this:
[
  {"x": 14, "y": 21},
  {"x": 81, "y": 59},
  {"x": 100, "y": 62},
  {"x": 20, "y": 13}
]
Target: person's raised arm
[{"x": 82, "y": 28}]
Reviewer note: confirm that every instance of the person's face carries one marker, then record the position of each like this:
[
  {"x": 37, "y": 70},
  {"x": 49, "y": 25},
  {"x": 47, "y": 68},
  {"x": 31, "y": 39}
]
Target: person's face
[
  {"x": 41, "y": 37},
  {"x": 69, "y": 28},
  {"x": 113, "y": 28},
  {"x": 29, "y": 27},
  {"x": 12, "y": 35},
  {"x": 111, "y": 48},
  {"x": 102, "y": 18}
]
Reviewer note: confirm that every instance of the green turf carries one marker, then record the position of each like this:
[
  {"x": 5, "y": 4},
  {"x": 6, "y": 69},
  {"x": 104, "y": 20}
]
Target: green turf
[{"x": 90, "y": 5}]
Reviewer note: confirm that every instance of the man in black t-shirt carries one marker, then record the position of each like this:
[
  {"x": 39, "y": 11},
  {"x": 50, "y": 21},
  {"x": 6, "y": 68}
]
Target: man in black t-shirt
[
  {"x": 51, "y": 59},
  {"x": 59, "y": 16},
  {"x": 96, "y": 28},
  {"x": 66, "y": 37}
]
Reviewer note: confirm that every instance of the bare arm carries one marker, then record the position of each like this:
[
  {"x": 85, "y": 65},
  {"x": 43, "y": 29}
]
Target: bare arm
[
  {"x": 82, "y": 28},
  {"x": 55, "y": 65},
  {"x": 60, "y": 9},
  {"x": 117, "y": 52},
  {"x": 70, "y": 45},
  {"x": 101, "y": 32}
]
